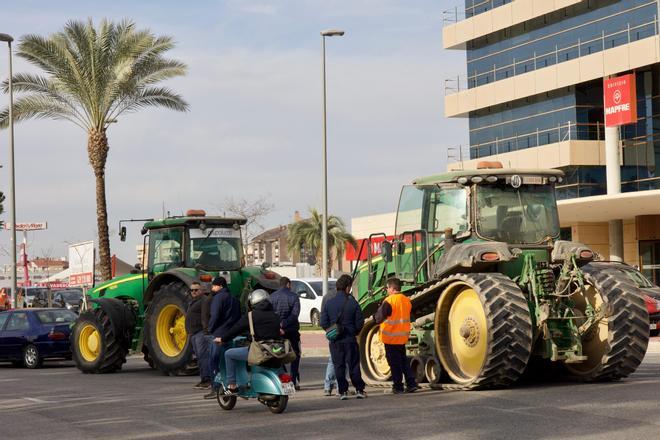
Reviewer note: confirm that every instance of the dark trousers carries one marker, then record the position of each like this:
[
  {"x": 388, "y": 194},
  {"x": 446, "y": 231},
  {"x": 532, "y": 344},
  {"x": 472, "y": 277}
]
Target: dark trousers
[
  {"x": 345, "y": 354},
  {"x": 295, "y": 365},
  {"x": 201, "y": 348},
  {"x": 400, "y": 366}
]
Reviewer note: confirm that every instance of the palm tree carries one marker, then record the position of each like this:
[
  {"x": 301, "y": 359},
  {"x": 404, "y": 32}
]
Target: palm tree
[
  {"x": 93, "y": 75},
  {"x": 308, "y": 233}
]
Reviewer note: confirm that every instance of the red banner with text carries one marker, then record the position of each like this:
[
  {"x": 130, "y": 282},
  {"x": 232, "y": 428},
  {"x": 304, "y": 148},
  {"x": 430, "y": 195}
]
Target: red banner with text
[{"x": 620, "y": 95}]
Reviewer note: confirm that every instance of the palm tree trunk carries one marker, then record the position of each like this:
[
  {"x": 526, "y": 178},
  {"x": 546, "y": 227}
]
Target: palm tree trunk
[{"x": 97, "y": 149}]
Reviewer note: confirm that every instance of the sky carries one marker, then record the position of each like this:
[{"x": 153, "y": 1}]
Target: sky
[{"x": 254, "y": 127}]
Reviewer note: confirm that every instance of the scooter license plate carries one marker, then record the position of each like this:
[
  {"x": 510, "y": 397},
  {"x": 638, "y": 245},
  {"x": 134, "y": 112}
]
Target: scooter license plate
[
  {"x": 288, "y": 388},
  {"x": 653, "y": 326}
]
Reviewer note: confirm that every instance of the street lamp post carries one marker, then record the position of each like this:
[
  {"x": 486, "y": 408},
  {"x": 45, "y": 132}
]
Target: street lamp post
[
  {"x": 324, "y": 268},
  {"x": 12, "y": 181}
]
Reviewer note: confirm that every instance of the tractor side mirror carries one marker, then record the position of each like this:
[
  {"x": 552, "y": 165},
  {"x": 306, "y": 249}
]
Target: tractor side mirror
[
  {"x": 122, "y": 233},
  {"x": 400, "y": 247},
  {"x": 386, "y": 251}
]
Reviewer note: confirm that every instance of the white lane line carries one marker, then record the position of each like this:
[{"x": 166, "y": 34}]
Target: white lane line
[
  {"x": 35, "y": 400},
  {"x": 103, "y": 422}
]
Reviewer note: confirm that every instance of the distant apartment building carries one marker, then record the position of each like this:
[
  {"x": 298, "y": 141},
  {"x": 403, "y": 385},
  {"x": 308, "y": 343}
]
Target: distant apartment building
[{"x": 533, "y": 92}]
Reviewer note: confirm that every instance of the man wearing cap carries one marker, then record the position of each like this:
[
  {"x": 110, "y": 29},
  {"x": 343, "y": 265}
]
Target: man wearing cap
[{"x": 224, "y": 311}]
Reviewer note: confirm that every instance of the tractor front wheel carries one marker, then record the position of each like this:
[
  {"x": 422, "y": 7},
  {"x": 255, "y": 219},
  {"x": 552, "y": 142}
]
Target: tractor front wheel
[
  {"x": 167, "y": 342},
  {"x": 483, "y": 330},
  {"x": 372, "y": 354},
  {"x": 616, "y": 345}
]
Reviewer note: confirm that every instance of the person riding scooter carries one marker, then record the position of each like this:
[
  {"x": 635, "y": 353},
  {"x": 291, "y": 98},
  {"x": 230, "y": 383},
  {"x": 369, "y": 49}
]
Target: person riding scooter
[{"x": 266, "y": 326}]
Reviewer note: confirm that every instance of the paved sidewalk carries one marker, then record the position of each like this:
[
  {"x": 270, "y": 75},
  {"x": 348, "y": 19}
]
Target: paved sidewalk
[{"x": 314, "y": 343}]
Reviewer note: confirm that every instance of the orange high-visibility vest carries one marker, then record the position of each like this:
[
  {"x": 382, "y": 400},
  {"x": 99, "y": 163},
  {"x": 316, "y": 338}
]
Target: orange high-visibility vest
[{"x": 396, "y": 328}]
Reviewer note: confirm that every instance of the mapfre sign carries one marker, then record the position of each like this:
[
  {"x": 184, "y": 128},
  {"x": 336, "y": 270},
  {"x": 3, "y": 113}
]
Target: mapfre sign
[{"x": 620, "y": 100}]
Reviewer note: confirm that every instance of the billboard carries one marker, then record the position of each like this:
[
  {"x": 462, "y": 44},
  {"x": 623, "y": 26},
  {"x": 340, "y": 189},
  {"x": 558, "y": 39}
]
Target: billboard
[
  {"x": 620, "y": 96},
  {"x": 33, "y": 226},
  {"x": 81, "y": 264}
]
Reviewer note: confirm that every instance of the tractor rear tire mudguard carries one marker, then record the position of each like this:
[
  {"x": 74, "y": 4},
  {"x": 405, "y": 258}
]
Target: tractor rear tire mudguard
[
  {"x": 101, "y": 337},
  {"x": 616, "y": 347},
  {"x": 168, "y": 345}
]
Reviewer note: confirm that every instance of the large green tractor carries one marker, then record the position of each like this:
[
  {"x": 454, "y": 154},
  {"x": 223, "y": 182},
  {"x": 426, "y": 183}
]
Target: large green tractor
[
  {"x": 145, "y": 311},
  {"x": 494, "y": 289}
]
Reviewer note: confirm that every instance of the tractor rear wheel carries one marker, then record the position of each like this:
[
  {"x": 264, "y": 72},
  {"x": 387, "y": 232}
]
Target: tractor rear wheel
[
  {"x": 483, "y": 330},
  {"x": 617, "y": 344},
  {"x": 96, "y": 346},
  {"x": 167, "y": 342}
]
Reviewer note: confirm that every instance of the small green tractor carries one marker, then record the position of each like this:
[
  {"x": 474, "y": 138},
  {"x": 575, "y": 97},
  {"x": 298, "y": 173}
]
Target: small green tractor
[
  {"x": 145, "y": 310},
  {"x": 494, "y": 290}
]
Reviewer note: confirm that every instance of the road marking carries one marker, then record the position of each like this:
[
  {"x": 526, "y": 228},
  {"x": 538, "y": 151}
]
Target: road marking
[
  {"x": 98, "y": 422},
  {"x": 35, "y": 400}
]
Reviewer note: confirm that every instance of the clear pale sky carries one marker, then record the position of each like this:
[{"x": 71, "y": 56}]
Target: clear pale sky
[{"x": 254, "y": 125}]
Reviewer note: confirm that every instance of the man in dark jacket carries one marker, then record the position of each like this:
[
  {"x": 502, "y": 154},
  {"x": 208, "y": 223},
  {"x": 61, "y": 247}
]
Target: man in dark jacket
[
  {"x": 287, "y": 305},
  {"x": 343, "y": 308},
  {"x": 224, "y": 312},
  {"x": 197, "y": 337},
  {"x": 266, "y": 326}
]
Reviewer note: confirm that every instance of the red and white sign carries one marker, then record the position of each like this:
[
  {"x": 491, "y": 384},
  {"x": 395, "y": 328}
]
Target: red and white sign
[
  {"x": 376, "y": 242},
  {"x": 34, "y": 226},
  {"x": 620, "y": 96},
  {"x": 81, "y": 279}
]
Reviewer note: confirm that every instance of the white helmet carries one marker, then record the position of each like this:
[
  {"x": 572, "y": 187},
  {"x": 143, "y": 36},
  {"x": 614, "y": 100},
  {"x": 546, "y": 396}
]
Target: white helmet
[{"x": 256, "y": 297}]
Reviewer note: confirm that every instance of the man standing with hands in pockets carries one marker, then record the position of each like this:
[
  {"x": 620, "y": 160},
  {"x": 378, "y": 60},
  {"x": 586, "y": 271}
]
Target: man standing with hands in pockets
[{"x": 393, "y": 315}]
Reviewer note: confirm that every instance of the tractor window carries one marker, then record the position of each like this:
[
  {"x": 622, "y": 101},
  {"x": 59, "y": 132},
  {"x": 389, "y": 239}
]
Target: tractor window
[
  {"x": 215, "y": 248},
  {"x": 448, "y": 209},
  {"x": 517, "y": 215},
  {"x": 409, "y": 216},
  {"x": 165, "y": 249}
]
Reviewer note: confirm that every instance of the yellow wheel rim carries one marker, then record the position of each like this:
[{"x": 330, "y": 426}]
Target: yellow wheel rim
[
  {"x": 376, "y": 359},
  {"x": 89, "y": 343},
  {"x": 171, "y": 330},
  {"x": 595, "y": 341},
  {"x": 462, "y": 339}
]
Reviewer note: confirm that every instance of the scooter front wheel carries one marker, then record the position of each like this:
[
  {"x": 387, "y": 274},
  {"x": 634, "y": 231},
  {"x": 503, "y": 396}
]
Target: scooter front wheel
[
  {"x": 226, "y": 402},
  {"x": 279, "y": 405}
]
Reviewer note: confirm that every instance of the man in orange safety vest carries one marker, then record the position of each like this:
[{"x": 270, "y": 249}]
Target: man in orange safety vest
[{"x": 393, "y": 315}]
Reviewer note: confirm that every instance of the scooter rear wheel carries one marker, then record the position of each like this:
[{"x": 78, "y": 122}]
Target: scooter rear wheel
[
  {"x": 278, "y": 406},
  {"x": 226, "y": 402}
]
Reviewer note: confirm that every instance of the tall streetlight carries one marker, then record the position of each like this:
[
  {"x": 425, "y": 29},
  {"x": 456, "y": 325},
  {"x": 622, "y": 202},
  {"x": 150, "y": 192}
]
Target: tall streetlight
[
  {"x": 324, "y": 269},
  {"x": 12, "y": 181}
]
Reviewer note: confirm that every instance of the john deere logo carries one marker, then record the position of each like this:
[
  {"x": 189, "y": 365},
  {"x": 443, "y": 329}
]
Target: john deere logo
[{"x": 516, "y": 181}]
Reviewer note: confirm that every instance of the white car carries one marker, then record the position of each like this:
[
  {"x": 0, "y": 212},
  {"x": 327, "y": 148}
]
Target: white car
[{"x": 310, "y": 292}]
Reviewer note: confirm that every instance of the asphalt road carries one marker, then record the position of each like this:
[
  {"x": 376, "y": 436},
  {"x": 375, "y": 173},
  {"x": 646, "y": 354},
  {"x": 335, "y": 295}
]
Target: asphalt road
[{"x": 59, "y": 402}]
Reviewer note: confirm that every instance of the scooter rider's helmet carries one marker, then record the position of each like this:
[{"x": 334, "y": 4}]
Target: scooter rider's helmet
[{"x": 256, "y": 297}]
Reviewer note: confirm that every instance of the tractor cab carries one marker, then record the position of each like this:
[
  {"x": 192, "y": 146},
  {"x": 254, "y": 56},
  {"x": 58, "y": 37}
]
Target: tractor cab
[{"x": 210, "y": 244}]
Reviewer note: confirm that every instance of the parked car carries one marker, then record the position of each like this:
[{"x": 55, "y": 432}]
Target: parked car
[
  {"x": 311, "y": 294},
  {"x": 651, "y": 296},
  {"x": 29, "y": 336},
  {"x": 30, "y": 294},
  {"x": 68, "y": 299}
]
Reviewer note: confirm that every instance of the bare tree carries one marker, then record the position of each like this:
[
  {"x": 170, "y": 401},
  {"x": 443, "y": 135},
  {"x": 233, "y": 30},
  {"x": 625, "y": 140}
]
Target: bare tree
[{"x": 254, "y": 212}]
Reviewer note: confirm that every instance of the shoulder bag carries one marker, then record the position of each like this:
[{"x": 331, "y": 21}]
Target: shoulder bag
[
  {"x": 333, "y": 332},
  {"x": 273, "y": 352}
]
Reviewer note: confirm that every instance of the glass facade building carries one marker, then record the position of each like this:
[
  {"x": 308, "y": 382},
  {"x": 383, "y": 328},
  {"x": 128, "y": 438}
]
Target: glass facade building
[{"x": 574, "y": 112}]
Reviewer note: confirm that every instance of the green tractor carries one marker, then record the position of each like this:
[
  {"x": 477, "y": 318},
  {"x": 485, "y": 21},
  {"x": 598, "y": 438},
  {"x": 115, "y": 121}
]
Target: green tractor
[
  {"x": 494, "y": 289},
  {"x": 145, "y": 310}
]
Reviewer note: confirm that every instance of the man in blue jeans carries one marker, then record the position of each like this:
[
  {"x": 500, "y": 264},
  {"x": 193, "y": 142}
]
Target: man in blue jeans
[
  {"x": 198, "y": 339},
  {"x": 225, "y": 311},
  {"x": 266, "y": 326},
  {"x": 345, "y": 310}
]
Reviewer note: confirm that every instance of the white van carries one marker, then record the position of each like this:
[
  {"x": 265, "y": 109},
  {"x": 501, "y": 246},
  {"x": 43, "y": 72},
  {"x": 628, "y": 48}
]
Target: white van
[{"x": 310, "y": 292}]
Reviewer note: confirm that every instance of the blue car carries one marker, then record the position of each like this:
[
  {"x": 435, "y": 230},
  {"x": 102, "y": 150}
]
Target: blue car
[{"x": 28, "y": 336}]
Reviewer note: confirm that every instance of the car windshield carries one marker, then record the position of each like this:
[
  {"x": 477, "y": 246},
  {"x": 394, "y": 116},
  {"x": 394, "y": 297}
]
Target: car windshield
[
  {"x": 527, "y": 214},
  {"x": 318, "y": 287},
  {"x": 71, "y": 295},
  {"x": 56, "y": 316},
  {"x": 216, "y": 248}
]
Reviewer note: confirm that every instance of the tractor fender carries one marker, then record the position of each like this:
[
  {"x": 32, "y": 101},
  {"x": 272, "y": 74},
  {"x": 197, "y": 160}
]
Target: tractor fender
[
  {"x": 467, "y": 257},
  {"x": 562, "y": 249},
  {"x": 122, "y": 316},
  {"x": 164, "y": 278},
  {"x": 268, "y": 280}
]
